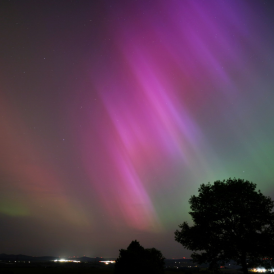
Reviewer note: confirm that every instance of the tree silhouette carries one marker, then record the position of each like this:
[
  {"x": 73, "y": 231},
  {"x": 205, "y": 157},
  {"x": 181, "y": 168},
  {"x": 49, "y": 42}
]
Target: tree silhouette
[
  {"x": 137, "y": 259},
  {"x": 231, "y": 221}
]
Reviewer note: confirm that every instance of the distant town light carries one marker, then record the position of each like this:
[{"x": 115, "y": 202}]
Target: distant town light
[
  {"x": 107, "y": 262},
  {"x": 66, "y": 261},
  {"x": 262, "y": 270}
]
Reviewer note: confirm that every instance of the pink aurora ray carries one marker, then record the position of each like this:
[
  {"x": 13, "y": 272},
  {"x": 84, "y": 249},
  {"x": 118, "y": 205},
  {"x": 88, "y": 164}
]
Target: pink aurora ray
[
  {"x": 159, "y": 70},
  {"x": 151, "y": 127}
]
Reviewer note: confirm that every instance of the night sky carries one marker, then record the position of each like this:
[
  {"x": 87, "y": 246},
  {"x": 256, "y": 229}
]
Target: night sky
[{"x": 112, "y": 113}]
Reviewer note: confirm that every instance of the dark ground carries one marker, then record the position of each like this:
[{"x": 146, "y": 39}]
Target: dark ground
[{"x": 81, "y": 268}]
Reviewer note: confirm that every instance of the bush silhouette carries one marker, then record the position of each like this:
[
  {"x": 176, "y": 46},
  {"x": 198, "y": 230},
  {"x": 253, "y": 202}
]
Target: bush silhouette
[{"x": 136, "y": 259}]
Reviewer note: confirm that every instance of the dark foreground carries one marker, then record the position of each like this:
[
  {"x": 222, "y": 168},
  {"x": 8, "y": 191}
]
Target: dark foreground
[
  {"x": 63, "y": 269},
  {"x": 81, "y": 268},
  {"x": 55, "y": 268}
]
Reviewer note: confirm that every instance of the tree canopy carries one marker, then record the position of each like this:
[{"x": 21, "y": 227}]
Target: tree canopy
[
  {"x": 231, "y": 221},
  {"x": 137, "y": 259}
]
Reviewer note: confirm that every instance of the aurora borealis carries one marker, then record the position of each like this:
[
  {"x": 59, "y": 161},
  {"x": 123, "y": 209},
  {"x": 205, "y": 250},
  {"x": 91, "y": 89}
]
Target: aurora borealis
[{"x": 112, "y": 113}]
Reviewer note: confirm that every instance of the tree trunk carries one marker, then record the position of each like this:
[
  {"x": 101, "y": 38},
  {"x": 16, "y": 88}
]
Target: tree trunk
[{"x": 244, "y": 264}]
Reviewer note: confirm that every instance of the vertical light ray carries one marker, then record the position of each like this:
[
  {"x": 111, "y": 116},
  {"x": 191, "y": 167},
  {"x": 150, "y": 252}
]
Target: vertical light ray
[{"x": 30, "y": 182}]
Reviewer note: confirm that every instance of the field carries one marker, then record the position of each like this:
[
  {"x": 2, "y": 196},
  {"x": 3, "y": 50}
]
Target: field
[
  {"x": 64, "y": 269},
  {"x": 54, "y": 269},
  {"x": 83, "y": 268}
]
